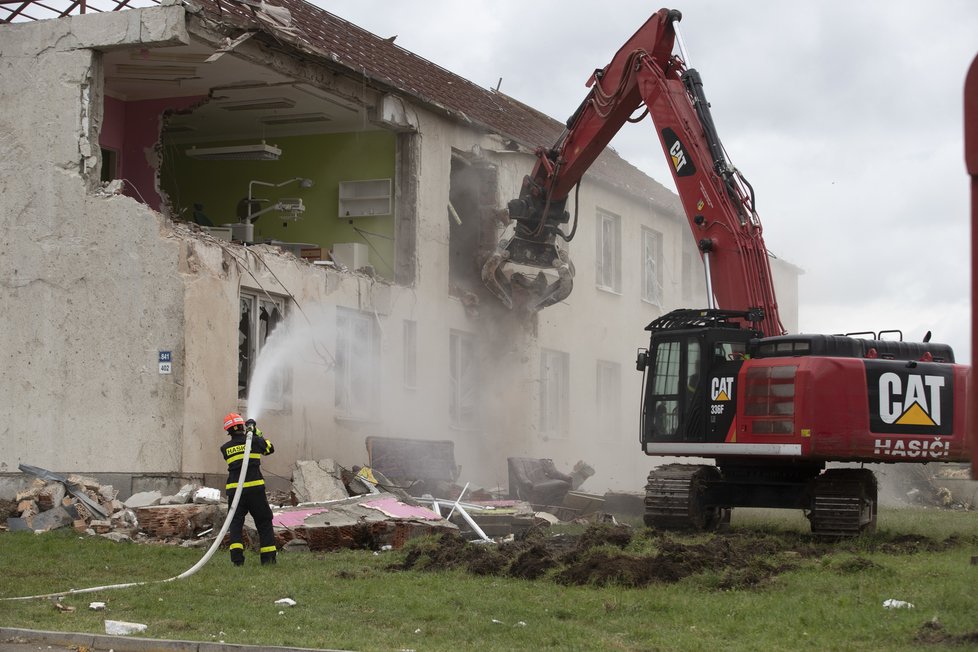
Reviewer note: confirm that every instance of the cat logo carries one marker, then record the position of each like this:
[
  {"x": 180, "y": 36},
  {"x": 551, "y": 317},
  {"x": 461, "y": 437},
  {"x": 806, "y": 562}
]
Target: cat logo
[
  {"x": 681, "y": 163},
  {"x": 678, "y": 155},
  {"x": 721, "y": 388},
  {"x": 918, "y": 402}
]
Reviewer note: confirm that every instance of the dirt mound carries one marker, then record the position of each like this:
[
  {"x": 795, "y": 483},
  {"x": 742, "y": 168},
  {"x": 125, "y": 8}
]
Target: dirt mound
[
  {"x": 618, "y": 555},
  {"x": 933, "y": 633},
  {"x": 598, "y": 557}
]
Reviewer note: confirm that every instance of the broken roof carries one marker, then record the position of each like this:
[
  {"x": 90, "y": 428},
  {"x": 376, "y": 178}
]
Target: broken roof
[{"x": 340, "y": 43}]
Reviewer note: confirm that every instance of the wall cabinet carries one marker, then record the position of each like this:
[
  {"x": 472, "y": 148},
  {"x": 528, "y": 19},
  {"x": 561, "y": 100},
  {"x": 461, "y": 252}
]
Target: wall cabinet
[{"x": 363, "y": 198}]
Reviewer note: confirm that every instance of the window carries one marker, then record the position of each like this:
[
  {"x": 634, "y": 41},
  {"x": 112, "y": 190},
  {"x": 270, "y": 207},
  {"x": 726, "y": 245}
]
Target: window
[
  {"x": 410, "y": 354},
  {"x": 554, "y": 393},
  {"x": 609, "y": 251},
  {"x": 258, "y": 316},
  {"x": 652, "y": 260},
  {"x": 463, "y": 372},
  {"x": 608, "y": 399},
  {"x": 357, "y": 364},
  {"x": 665, "y": 389}
]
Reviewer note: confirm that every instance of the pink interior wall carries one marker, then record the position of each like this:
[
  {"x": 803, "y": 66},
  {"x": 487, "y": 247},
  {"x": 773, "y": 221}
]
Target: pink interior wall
[
  {"x": 133, "y": 130},
  {"x": 112, "y": 135}
]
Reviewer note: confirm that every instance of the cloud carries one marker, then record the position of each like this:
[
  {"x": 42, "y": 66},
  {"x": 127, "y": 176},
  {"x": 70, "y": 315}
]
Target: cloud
[{"x": 845, "y": 116}]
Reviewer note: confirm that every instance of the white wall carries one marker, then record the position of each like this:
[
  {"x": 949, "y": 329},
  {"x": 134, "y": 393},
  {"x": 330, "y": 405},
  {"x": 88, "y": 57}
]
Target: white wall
[{"x": 94, "y": 287}]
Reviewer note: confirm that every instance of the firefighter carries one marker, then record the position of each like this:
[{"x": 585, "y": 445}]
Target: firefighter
[{"x": 253, "y": 500}]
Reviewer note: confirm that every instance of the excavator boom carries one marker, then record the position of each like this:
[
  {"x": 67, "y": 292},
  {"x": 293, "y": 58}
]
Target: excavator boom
[{"x": 718, "y": 202}]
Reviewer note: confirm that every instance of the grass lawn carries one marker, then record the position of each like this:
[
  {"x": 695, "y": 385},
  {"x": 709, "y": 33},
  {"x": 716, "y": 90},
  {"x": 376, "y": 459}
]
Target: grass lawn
[{"x": 768, "y": 586}]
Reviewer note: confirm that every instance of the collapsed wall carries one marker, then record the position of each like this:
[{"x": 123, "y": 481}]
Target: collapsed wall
[{"x": 85, "y": 305}]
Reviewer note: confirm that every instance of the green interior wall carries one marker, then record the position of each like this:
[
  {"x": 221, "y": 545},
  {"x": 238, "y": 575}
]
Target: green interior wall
[{"x": 327, "y": 159}]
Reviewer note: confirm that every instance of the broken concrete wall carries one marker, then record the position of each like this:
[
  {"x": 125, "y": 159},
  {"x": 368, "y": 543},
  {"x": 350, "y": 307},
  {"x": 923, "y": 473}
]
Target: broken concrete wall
[
  {"x": 95, "y": 287},
  {"x": 86, "y": 310}
]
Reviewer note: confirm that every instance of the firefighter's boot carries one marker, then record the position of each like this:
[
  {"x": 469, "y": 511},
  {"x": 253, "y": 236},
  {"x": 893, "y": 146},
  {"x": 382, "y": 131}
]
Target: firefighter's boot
[
  {"x": 237, "y": 554},
  {"x": 268, "y": 557}
]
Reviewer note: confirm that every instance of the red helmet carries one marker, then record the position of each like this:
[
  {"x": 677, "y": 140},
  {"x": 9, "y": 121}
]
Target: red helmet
[{"x": 233, "y": 419}]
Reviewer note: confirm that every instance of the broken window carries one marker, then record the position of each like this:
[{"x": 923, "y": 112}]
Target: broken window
[
  {"x": 608, "y": 251},
  {"x": 471, "y": 222},
  {"x": 357, "y": 363},
  {"x": 463, "y": 403},
  {"x": 410, "y": 354},
  {"x": 258, "y": 316},
  {"x": 554, "y": 393},
  {"x": 608, "y": 398},
  {"x": 652, "y": 257}
]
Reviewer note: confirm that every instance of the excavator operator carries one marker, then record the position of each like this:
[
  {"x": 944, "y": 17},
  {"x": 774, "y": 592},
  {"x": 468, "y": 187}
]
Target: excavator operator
[{"x": 253, "y": 499}]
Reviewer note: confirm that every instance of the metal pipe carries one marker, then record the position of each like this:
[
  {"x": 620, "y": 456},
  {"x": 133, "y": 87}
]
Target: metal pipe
[
  {"x": 681, "y": 44},
  {"x": 464, "y": 489},
  {"x": 711, "y": 301}
]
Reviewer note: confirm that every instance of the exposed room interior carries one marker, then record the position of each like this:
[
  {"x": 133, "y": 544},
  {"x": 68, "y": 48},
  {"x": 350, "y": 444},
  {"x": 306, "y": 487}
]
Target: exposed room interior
[{"x": 254, "y": 155}]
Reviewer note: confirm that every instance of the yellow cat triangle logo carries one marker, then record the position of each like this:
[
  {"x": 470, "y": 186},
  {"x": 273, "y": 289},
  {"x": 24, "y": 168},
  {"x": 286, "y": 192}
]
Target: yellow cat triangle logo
[
  {"x": 915, "y": 416},
  {"x": 722, "y": 396}
]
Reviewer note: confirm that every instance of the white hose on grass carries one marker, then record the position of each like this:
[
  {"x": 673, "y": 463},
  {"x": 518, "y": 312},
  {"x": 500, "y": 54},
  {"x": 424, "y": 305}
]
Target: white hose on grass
[{"x": 187, "y": 573}]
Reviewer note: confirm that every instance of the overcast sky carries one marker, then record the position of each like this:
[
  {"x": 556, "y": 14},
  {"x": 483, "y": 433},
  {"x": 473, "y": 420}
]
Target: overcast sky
[{"x": 845, "y": 116}]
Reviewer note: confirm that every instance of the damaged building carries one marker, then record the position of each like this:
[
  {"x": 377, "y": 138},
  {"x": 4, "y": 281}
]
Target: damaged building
[{"x": 184, "y": 182}]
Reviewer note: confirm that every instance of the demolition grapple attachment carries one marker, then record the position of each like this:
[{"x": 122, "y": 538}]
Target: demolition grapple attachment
[{"x": 527, "y": 275}]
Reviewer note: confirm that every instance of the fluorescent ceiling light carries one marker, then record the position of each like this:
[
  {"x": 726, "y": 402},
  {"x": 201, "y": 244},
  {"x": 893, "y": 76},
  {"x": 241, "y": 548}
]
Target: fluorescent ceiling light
[
  {"x": 162, "y": 70},
  {"x": 166, "y": 55},
  {"x": 257, "y": 152},
  {"x": 258, "y": 104},
  {"x": 295, "y": 118}
]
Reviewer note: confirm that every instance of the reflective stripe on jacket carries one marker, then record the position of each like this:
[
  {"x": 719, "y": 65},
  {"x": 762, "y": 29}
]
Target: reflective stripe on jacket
[{"x": 233, "y": 451}]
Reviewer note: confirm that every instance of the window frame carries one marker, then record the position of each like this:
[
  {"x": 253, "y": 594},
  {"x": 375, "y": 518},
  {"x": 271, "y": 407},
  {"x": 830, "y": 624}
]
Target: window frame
[
  {"x": 463, "y": 375},
  {"x": 554, "y": 421},
  {"x": 608, "y": 399},
  {"x": 608, "y": 272},
  {"x": 357, "y": 383},
  {"x": 652, "y": 291},
  {"x": 256, "y": 340}
]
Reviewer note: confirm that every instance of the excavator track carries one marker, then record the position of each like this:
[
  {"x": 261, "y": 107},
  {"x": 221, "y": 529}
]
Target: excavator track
[
  {"x": 674, "y": 498},
  {"x": 843, "y": 503}
]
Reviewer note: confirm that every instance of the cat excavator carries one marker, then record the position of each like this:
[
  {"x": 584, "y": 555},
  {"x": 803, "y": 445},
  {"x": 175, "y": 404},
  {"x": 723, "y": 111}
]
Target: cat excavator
[{"x": 726, "y": 383}]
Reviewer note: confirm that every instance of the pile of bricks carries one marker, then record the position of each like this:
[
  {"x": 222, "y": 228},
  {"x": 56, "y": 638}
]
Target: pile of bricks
[{"x": 80, "y": 502}]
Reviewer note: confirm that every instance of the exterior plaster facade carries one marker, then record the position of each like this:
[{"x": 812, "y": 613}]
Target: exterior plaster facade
[{"x": 96, "y": 284}]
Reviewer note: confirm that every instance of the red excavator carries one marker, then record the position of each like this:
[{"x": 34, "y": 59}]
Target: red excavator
[{"x": 726, "y": 382}]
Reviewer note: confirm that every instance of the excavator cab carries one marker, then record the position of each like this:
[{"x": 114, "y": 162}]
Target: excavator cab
[{"x": 693, "y": 361}]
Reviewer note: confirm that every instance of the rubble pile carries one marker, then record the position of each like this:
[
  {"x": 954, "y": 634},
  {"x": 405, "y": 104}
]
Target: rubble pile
[
  {"x": 327, "y": 508},
  {"x": 81, "y": 502}
]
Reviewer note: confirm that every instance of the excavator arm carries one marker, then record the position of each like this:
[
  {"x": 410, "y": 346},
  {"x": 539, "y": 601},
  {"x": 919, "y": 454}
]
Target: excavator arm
[{"x": 529, "y": 271}]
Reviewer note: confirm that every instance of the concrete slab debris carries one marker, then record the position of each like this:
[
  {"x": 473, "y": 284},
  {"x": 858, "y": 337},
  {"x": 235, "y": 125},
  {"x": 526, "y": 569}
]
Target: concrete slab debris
[
  {"x": 182, "y": 497},
  {"x": 207, "y": 496},
  {"x": 123, "y": 628},
  {"x": 396, "y": 509},
  {"x": 349, "y": 523},
  {"x": 295, "y": 517},
  {"x": 143, "y": 499},
  {"x": 315, "y": 481}
]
